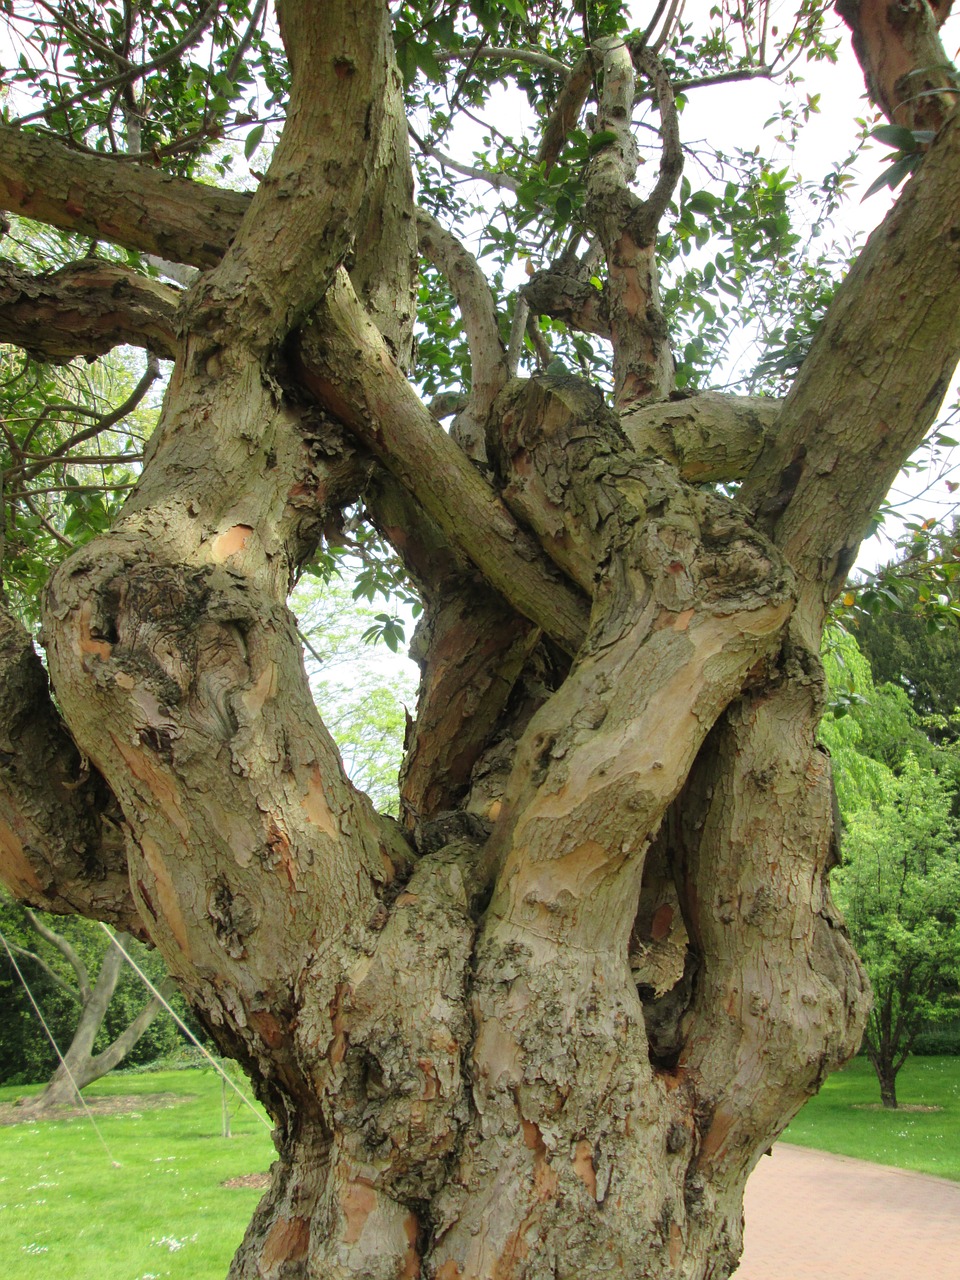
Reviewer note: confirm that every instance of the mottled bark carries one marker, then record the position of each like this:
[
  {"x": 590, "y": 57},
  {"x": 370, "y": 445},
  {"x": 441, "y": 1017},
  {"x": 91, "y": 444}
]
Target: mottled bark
[
  {"x": 61, "y": 829},
  {"x": 627, "y": 227},
  {"x": 545, "y": 1031},
  {"x": 907, "y": 71},
  {"x": 85, "y": 309}
]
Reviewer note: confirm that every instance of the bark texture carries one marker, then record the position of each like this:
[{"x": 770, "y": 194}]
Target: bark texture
[{"x": 545, "y": 1024}]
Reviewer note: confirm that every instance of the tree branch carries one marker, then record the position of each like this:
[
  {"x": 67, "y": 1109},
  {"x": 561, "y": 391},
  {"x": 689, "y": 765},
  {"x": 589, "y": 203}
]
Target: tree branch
[
  {"x": 871, "y": 386},
  {"x": 85, "y": 309},
  {"x": 499, "y": 181},
  {"x": 671, "y": 151},
  {"x": 130, "y": 205},
  {"x": 61, "y": 830},
  {"x": 68, "y": 952},
  {"x": 493, "y": 53},
  {"x": 51, "y": 973},
  {"x": 642, "y": 362},
  {"x": 906, "y": 69},
  {"x": 478, "y": 311},
  {"x": 566, "y": 113},
  {"x": 346, "y": 369}
]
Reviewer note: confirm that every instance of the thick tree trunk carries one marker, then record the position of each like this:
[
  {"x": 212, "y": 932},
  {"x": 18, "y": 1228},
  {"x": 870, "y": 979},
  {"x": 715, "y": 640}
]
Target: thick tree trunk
[{"x": 546, "y": 1028}]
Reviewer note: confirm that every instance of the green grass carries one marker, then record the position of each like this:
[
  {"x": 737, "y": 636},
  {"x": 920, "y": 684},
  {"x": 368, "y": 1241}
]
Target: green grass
[
  {"x": 67, "y": 1213},
  {"x": 928, "y": 1142}
]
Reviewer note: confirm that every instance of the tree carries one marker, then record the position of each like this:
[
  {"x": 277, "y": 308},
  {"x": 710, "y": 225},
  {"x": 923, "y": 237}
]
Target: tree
[
  {"x": 83, "y": 1061},
  {"x": 899, "y": 885},
  {"x": 615, "y": 747}
]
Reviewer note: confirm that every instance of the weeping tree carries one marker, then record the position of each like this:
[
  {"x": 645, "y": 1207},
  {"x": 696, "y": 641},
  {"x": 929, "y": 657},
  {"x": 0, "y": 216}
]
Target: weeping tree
[
  {"x": 91, "y": 994},
  {"x": 545, "y": 1023}
]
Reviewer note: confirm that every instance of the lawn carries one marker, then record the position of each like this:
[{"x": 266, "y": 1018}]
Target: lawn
[
  {"x": 928, "y": 1141},
  {"x": 68, "y": 1212}
]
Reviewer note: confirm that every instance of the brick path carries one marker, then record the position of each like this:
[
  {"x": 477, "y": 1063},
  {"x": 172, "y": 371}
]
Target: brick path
[{"x": 813, "y": 1216}]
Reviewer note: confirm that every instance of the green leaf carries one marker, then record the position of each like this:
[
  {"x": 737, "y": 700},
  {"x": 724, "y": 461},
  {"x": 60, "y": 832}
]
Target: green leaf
[
  {"x": 703, "y": 202},
  {"x": 253, "y": 140},
  {"x": 895, "y": 135},
  {"x": 602, "y": 138}
]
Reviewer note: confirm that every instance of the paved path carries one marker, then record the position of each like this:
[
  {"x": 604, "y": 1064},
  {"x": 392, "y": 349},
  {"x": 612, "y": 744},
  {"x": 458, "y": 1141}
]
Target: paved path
[{"x": 813, "y": 1216}]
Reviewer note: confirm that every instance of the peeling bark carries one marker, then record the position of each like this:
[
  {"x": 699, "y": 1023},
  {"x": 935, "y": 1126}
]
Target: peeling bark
[
  {"x": 85, "y": 309},
  {"x": 543, "y": 1029},
  {"x": 61, "y": 829}
]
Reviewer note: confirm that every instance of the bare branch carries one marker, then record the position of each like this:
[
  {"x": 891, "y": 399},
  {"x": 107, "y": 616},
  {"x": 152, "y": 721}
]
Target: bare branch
[
  {"x": 103, "y": 423},
  {"x": 130, "y": 205},
  {"x": 493, "y": 53},
  {"x": 499, "y": 181},
  {"x": 642, "y": 361},
  {"x": 371, "y": 396},
  {"x": 566, "y": 113},
  {"x": 51, "y": 973},
  {"x": 303, "y": 216},
  {"x": 671, "y": 151},
  {"x": 863, "y": 399}
]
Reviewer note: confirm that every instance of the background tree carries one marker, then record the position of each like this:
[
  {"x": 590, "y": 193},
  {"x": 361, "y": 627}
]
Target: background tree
[
  {"x": 471, "y": 1067},
  {"x": 910, "y": 636},
  {"x": 899, "y": 885},
  {"x": 102, "y": 1014}
]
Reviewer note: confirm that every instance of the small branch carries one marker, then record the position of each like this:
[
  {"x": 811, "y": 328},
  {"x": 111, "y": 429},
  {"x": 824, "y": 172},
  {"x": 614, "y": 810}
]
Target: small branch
[
  {"x": 762, "y": 72},
  {"x": 63, "y": 945},
  {"x": 132, "y": 74},
  {"x": 499, "y": 181},
  {"x": 566, "y": 113},
  {"x": 671, "y": 153},
  {"x": 104, "y": 423},
  {"x": 492, "y": 53},
  {"x": 478, "y": 311},
  {"x": 446, "y": 404}
]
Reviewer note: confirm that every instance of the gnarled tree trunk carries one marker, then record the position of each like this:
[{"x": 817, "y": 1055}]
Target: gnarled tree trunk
[{"x": 546, "y": 1025}]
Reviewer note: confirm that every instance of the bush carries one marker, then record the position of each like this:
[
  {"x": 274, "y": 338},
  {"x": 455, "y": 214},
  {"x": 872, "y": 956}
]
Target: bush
[{"x": 938, "y": 1040}]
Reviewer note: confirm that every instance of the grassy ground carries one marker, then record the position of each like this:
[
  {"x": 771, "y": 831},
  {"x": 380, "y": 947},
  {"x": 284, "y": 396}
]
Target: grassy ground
[
  {"x": 838, "y": 1120},
  {"x": 68, "y": 1213}
]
